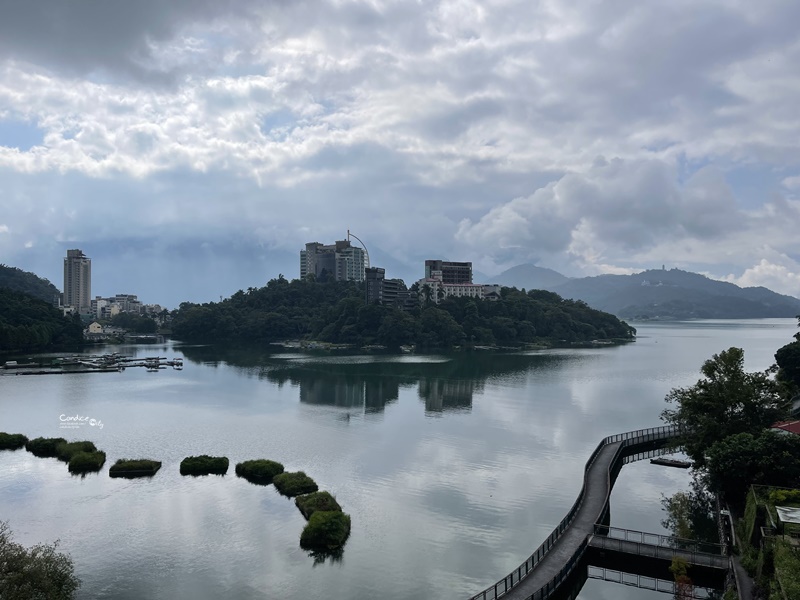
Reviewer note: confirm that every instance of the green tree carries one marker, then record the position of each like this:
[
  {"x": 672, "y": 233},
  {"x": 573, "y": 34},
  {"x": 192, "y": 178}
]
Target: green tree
[
  {"x": 37, "y": 573},
  {"x": 788, "y": 360},
  {"x": 767, "y": 458},
  {"x": 725, "y": 402}
]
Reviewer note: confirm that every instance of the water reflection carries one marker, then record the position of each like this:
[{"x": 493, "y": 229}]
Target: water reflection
[{"x": 369, "y": 382}]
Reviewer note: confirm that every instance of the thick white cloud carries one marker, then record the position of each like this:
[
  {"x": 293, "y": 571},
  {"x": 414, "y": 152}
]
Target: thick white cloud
[
  {"x": 783, "y": 277},
  {"x": 455, "y": 128},
  {"x": 614, "y": 208}
]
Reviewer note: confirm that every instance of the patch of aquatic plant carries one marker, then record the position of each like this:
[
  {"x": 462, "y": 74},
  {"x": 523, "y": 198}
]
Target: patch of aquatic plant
[
  {"x": 85, "y": 462},
  {"x": 316, "y": 501},
  {"x": 326, "y": 530},
  {"x": 12, "y": 441},
  {"x": 66, "y": 450},
  {"x": 204, "y": 465},
  {"x": 294, "y": 484},
  {"x": 259, "y": 471},
  {"x": 43, "y": 447},
  {"x": 140, "y": 467}
]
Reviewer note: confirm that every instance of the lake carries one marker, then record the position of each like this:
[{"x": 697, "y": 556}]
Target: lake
[{"x": 453, "y": 467}]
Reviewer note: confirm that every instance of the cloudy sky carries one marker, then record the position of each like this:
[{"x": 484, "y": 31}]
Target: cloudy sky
[{"x": 192, "y": 147}]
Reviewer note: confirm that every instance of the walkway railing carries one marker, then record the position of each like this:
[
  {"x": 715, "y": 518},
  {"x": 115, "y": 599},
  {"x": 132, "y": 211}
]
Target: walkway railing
[
  {"x": 648, "y": 583},
  {"x": 499, "y": 589},
  {"x": 657, "y": 539}
]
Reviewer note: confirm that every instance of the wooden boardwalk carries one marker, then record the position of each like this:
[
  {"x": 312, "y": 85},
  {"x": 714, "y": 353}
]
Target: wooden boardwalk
[
  {"x": 553, "y": 562},
  {"x": 596, "y": 492}
]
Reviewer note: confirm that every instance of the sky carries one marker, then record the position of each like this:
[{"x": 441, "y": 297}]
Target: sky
[{"x": 192, "y": 147}]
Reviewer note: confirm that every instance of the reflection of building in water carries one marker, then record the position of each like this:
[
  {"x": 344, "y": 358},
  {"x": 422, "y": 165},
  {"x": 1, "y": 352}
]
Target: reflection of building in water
[
  {"x": 347, "y": 394},
  {"x": 379, "y": 392},
  {"x": 446, "y": 394},
  {"x": 371, "y": 395}
]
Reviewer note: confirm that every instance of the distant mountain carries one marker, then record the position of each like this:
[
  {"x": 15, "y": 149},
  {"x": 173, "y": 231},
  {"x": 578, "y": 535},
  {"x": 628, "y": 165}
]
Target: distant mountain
[
  {"x": 676, "y": 294},
  {"x": 18, "y": 280},
  {"x": 529, "y": 277}
]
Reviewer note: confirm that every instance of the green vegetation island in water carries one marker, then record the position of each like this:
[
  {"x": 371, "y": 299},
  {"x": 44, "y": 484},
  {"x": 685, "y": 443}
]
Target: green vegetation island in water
[
  {"x": 336, "y": 312},
  {"x": 12, "y": 441},
  {"x": 261, "y": 471},
  {"x": 294, "y": 484},
  {"x": 204, "y": 465},
  {"x": 130, "y": 468}
]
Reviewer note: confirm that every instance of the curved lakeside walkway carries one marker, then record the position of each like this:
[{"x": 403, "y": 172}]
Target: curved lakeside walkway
[{"x": 544, "y": 571}]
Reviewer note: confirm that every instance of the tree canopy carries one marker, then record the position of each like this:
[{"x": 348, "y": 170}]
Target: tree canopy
[
  {"x": 336, "y": 312},
  {"x": 766, "y": 458},
  {"x": 37, "y": 573},
  {"x": 18, "y": 280},
  {"x": 30, "y": 324},
  {"x": 726, "y": 402}
]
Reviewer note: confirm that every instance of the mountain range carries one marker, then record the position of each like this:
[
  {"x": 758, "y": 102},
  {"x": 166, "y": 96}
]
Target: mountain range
[
  {"x": 657, "y": 294},
  {"x": 651, "y": 294}
]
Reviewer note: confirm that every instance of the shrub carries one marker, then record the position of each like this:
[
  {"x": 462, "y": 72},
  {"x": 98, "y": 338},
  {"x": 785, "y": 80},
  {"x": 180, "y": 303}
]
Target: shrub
[
  {"x": 12, "y": 441},
  {"x": 66, "y": 450},
  {"x": 294, "y": 484},
  {"x": 43, "y": 447},
  {"x": 326, "y": 530},
  {"x": 316, "y": 501},
  {"x": 141, "y": 467},
  {"x": 782, "y": 497},
  {"x": 85, "y": 462},
  {"x": 204, "y": 465},
  {"x": 37, "y": 572},
  {"x": 259, "y": 471}
]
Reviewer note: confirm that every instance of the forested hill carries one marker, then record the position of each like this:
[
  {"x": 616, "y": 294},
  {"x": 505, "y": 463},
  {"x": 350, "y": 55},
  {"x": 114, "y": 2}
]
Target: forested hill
[
  {"x": 336, "y": 312},
  {"x": 658, "y": 294},
  {"x": 16, "y": 279},
  {"x": 28, "y": 324},
  {"x": 677, "y": 294}
]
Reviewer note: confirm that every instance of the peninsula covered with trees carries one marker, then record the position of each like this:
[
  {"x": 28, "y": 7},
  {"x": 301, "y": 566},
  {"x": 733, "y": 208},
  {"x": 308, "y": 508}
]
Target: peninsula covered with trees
[{"x": 336, "y": 312}]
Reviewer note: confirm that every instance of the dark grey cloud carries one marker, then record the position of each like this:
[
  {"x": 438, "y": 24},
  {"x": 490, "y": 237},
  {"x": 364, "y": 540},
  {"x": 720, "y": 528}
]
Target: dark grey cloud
[{"x": 112, "y": 39}]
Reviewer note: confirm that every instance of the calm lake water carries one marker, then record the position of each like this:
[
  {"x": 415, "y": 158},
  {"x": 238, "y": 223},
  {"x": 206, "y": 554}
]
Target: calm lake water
[{"x": 453, "y": 467}]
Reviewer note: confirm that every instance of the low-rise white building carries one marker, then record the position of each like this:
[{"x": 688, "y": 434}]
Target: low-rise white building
[{"x": 437, "y": 290}]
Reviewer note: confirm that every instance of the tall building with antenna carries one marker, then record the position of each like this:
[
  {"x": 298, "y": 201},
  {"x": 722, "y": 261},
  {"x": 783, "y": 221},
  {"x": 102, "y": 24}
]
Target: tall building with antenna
[
  {"x": 340, "y": 261},
  {"x": 78, "y": 281}
]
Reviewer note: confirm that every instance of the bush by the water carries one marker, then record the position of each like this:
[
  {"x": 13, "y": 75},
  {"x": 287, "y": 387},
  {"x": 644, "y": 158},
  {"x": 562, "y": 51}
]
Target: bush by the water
[
  {"x": 316, "y": 501},
  {"x": 141, "y": 467},
  {"x": 204, "y": 465},
  {"x": 326, "y": 530},
  {"x": 40, "y": 572},
  {"x": 294, "y": 484},
  {"x": 65, "y": 451},
  {"x": 85, "y": 462},
  {"x": 43, "y": 447},
  {"x": 12, "y": 441},
  {"x": 259, "y": 471}
]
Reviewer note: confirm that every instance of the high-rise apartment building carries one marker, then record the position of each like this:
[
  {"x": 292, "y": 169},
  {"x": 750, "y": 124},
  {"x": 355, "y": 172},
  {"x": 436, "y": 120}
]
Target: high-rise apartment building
[
  {"x": 78, "y": 281},
  {"x": 340, "y": 261}
]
